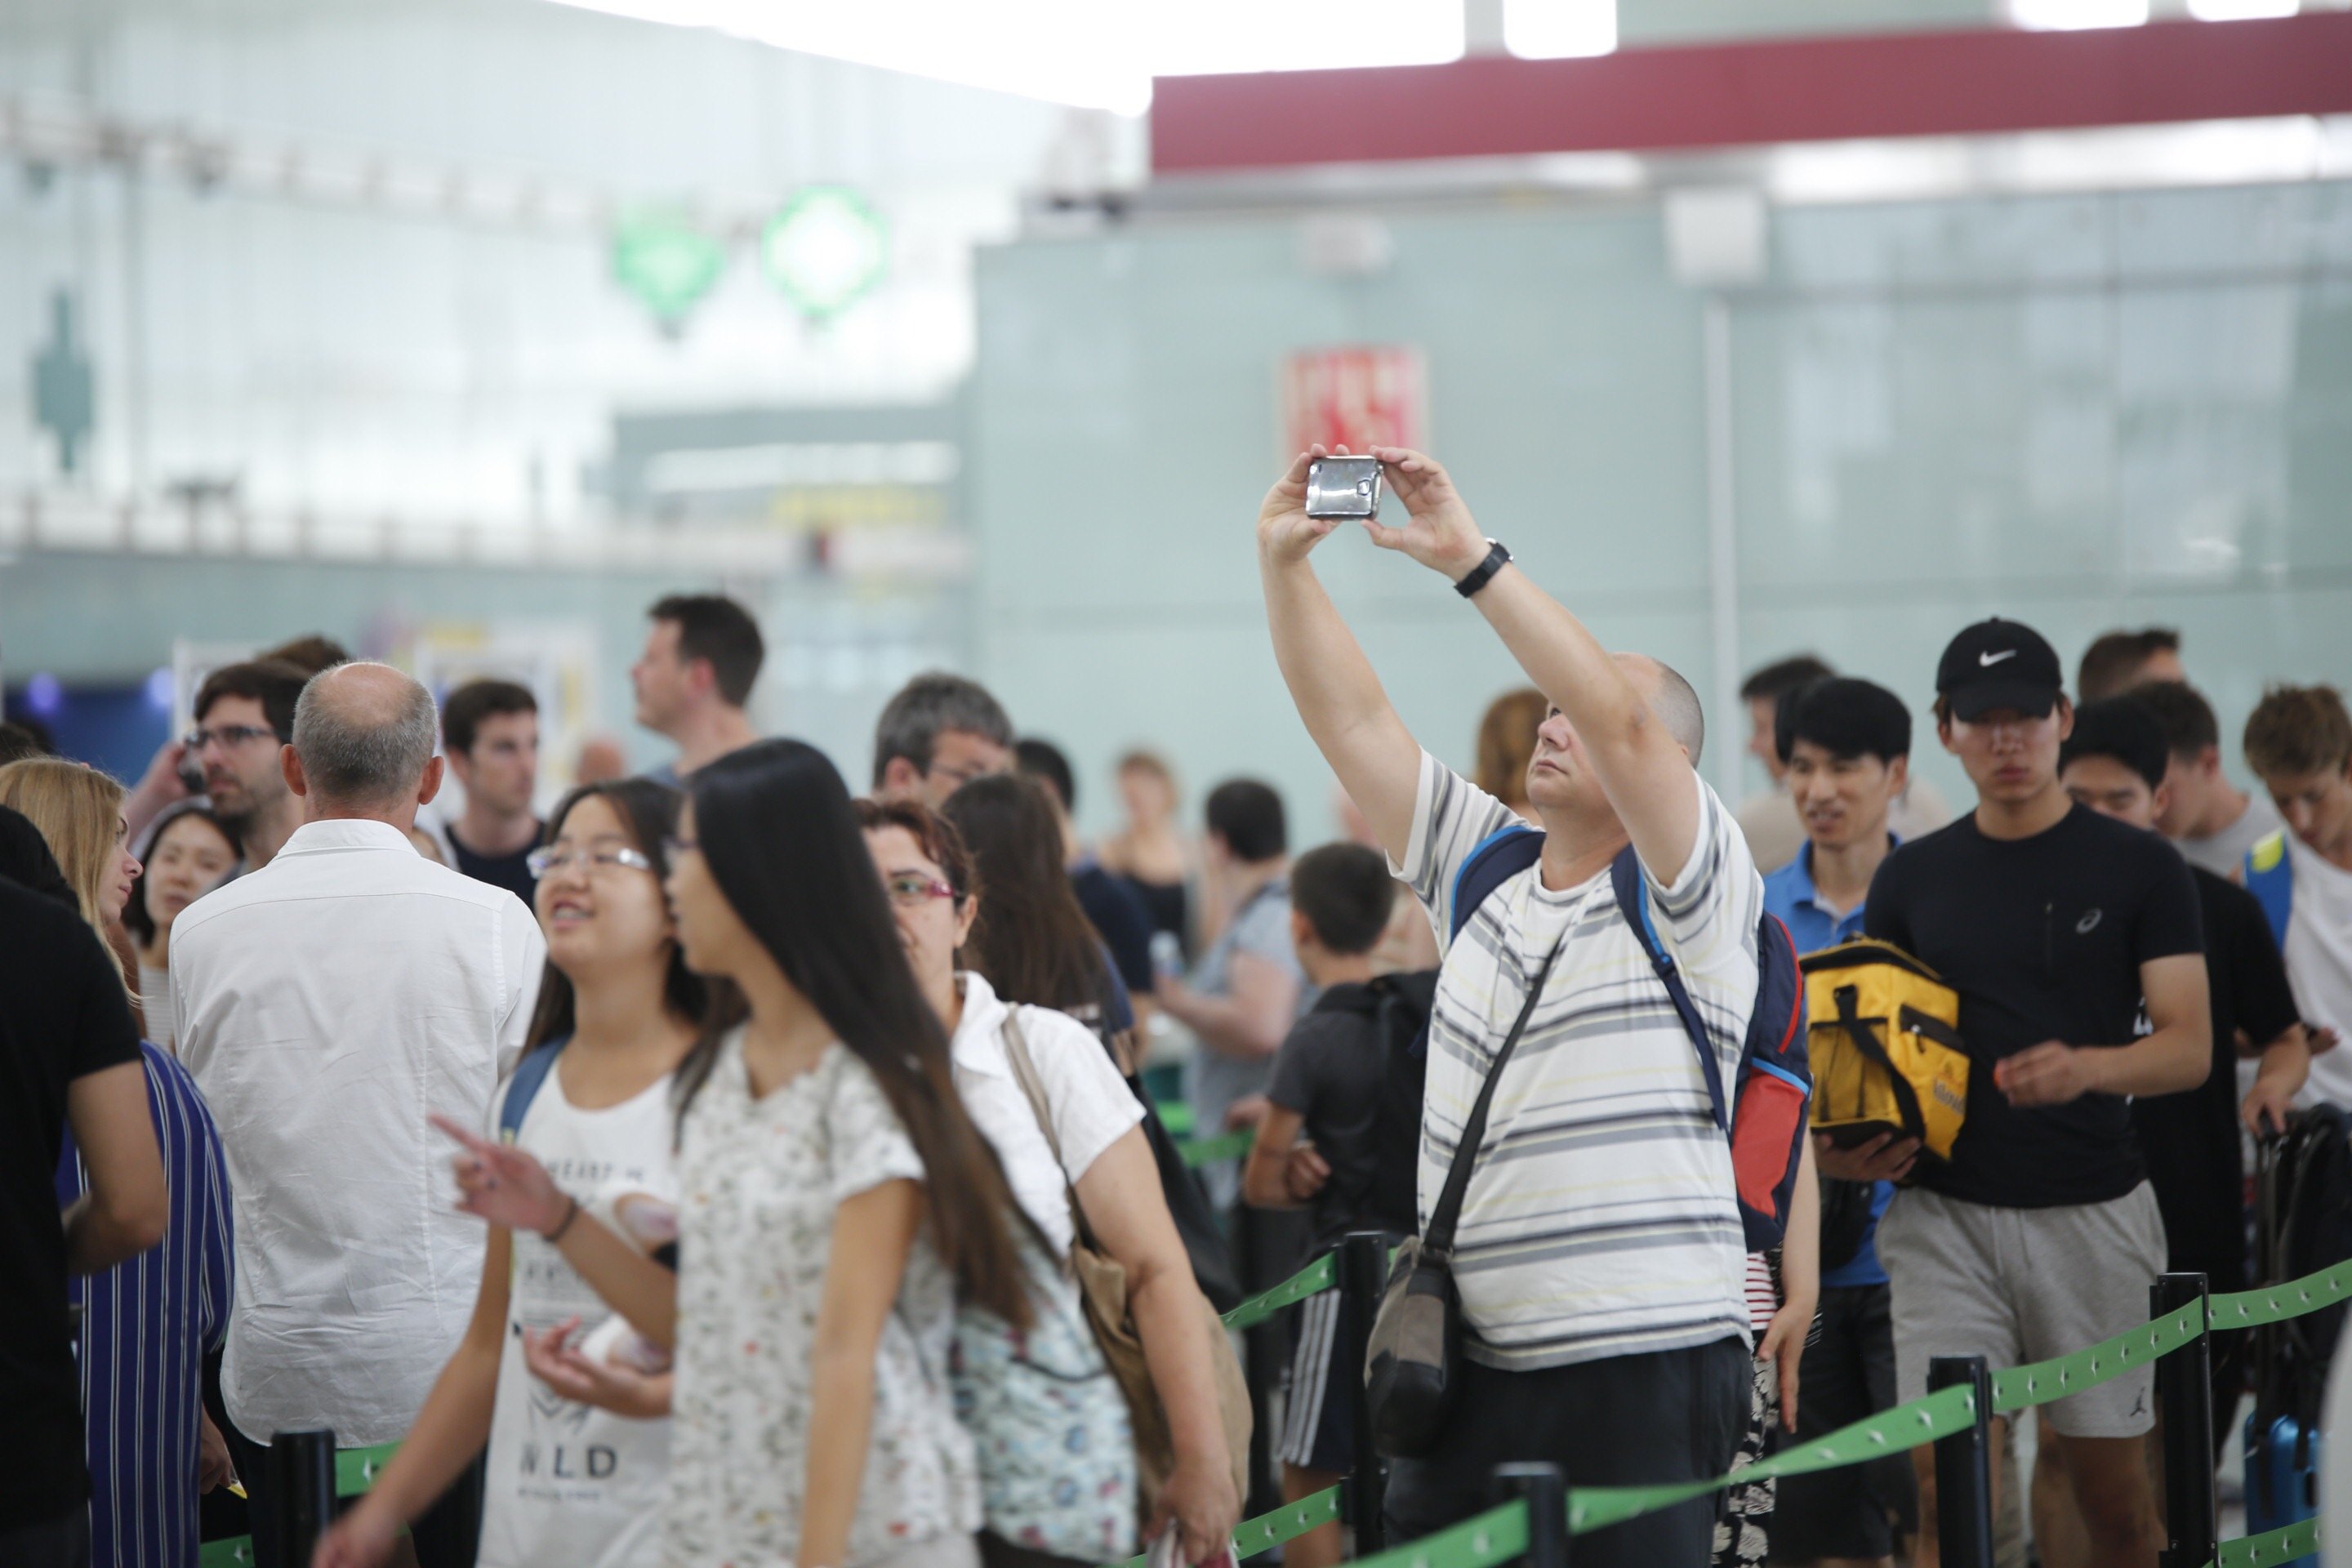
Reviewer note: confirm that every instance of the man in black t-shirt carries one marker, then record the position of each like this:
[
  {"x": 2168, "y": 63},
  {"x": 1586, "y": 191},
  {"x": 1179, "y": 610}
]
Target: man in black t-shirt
[
  {"x": 2040, "y": 1235},
  {"x": 489, "y": 733},
  {"x": 1328, "y": 1082},
  {"x": 68, "y": 1053},
  {"x": 2115, "y": 763}
]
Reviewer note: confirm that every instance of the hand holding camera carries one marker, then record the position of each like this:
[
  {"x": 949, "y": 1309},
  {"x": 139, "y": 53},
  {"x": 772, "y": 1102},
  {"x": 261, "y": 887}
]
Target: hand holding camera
[
  {"x": 1324, "y": 489},
  {"x": 1439, "y": 531}
]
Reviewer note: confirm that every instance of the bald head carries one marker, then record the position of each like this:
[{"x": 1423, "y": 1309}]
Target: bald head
[
  {"x": 1670, "y": 699},
  {"x": 364, "y": 733}
]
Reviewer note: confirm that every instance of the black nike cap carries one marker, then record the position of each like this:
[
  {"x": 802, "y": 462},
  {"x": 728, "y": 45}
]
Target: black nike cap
[{"x": 1999, "y": 664}]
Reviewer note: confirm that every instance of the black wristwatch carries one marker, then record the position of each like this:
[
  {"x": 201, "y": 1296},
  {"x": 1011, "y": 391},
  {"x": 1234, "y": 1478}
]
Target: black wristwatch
[{"x": 1497, "y": 557}]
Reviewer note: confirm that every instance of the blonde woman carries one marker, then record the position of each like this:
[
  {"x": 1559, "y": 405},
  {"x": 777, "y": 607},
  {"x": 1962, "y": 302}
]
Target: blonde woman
[
  {"x": 151, "y": 1449},
  {"x": 79, "y": 813}
]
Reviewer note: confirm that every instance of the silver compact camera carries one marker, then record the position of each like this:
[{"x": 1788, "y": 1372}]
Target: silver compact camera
[{"x": 1344, "y": 487}]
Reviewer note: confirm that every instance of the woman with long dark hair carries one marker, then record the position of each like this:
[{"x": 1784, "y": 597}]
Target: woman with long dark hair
[
  {"x": 1032, "y": 939},
  {"x": 834, "y": 1197},
  {"x": 618, "y": 1011},
  {"x": 189, "y": 852}
]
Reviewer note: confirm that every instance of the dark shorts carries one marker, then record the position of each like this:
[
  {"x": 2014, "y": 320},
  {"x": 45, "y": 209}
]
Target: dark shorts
[
  {"x": 1671, "y": 1415},
  {"x": 1847, "y": 1375},
  {"x": 1318, "y": 1422}
]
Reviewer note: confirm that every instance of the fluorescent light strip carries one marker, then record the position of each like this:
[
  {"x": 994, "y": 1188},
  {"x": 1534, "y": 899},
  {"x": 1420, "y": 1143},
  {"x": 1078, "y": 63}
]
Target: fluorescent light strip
[
  {"x": 1560, "y": 30},
  {"x": 1087, "y": 53}
]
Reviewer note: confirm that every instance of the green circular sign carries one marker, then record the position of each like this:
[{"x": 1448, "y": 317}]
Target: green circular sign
[{"x": 827, "y": 249}]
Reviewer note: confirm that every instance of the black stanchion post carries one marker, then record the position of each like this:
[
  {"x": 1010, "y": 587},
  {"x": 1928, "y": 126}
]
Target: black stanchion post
[
  {"x": 2184, "y": 1396},
  {"x": 1545, "y": 1492},
  {"x": 1964, "y": 1468},
  {"x": 1263, "y": 1361},
  {"x": 1363, "y": 1267},
  {"x": 299, "y": 1473}
]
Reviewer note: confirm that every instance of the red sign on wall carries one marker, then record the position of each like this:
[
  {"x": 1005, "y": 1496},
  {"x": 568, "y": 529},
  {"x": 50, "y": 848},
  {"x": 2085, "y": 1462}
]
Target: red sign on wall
[{"x": 1354, "y": 397}]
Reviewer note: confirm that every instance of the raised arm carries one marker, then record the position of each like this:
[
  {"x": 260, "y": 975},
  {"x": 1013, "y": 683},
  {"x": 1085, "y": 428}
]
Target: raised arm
[
  {"x": 1331, "y": 681},
  {"x": 1646, "y": 772}
]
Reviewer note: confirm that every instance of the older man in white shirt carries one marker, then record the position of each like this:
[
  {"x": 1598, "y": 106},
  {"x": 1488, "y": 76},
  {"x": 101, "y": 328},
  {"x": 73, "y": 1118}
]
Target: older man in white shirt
[{"x": 327, "y": 1004}]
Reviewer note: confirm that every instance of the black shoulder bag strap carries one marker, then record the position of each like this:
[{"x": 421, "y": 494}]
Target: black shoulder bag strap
[
  {"x": 1438, "y": 1240},
  {"x": 1864, "y": 1032}
]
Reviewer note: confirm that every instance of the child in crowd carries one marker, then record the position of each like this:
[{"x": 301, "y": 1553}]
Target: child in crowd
[{"x": 1329, "y": 1144}]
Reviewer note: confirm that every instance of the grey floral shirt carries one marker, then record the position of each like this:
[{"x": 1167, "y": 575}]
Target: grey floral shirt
[{"x": 759, "y": 1183}]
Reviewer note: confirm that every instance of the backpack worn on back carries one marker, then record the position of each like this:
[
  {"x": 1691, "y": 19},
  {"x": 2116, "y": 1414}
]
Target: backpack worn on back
[
  {"x": 523, "y": 1087},
  {"x": 1886, "y": 1048},
  {"x": 1404, "y": 1005},
  {"x": 1764, "y": 1115}
]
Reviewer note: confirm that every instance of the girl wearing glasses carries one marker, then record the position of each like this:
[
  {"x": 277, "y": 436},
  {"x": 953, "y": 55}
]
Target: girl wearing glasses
[
  {"x": 576, "y": 1438},
  {"x": 835, "y": 1201}
]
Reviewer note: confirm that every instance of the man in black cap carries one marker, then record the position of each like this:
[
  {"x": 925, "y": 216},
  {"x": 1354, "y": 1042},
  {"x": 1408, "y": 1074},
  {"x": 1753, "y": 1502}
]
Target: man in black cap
[{"x": 2040, "y": 1235}]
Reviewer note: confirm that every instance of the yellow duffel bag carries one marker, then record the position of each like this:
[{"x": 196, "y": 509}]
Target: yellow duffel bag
[{"x": 1886, "y": 1046}]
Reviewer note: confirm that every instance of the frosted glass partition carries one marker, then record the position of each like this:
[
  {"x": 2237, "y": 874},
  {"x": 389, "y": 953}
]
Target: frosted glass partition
[{"x": 2084, "y": 412}]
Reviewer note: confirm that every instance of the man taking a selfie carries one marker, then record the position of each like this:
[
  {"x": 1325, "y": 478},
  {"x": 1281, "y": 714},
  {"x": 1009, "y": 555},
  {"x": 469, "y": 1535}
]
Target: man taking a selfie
[{"x": 1599, "y": 1257}]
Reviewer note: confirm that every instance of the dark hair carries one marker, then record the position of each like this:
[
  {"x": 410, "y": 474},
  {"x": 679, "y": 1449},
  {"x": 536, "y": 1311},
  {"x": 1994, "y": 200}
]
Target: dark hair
[
  {"x": 2188, "y": 719},
  {"x": 27, "y": 859},
  {"x": 463, "y": 712},
  {"x": 1248, "y": 816},
  {"x": 17, "y": 742},
  {"x": 1346, "y": 893},
  {"x": 715, "y": 629},
  {"x": 2297, "y": 730},
  {"x": 2111, "y": 664},
  {"x": 1032, "y": 941},
  {"x": 272, "y": 682},
  {"x": 782, "y": 841},
  {"x": 650, "y": 812},
  {"x": 136, "y": 917},
  {"x": 310, "y": 654},
  {"x": 1507, "y": 743},
  {"x": 934, "y": 834},
  {"x": 926, "y": 707},
  {"x": 2120, "y": 728},
  {"x": 1792, "y": 674},
  {"x": 1045, "y": 761},
  {"x": 1845, "y": 716}
]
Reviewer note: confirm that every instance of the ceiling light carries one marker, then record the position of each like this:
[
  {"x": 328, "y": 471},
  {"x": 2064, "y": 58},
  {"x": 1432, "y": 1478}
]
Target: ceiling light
[
  {"x": 2070, "y": 16},
  {"x": 1081, "y": 52},
  {"x": 2240, "y": 10},
  {"x": 1556, "y": 29}
]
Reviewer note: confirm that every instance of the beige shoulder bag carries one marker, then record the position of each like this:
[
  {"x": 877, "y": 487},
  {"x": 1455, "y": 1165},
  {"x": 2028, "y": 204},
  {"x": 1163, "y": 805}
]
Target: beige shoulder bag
[{"x": 1102, "y": 1284}]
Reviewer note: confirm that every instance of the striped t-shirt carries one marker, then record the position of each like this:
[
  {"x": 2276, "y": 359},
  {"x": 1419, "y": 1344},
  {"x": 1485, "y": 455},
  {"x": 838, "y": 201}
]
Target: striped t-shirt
[{"x": 1600, "y": 1218}]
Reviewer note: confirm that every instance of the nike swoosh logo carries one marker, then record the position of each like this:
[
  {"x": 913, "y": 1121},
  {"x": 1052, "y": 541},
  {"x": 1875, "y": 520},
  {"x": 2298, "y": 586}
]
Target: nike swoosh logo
[{"x": 1988, "y": 660}]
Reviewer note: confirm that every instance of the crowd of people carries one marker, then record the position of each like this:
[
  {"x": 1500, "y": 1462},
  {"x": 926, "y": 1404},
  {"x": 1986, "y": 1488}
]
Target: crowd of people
[{"x": 726, "y": 1167}]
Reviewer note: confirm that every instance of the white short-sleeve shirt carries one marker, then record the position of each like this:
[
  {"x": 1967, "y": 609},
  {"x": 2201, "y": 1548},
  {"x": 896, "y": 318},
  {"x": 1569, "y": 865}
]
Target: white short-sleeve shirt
[{"x": 1092, "y": 1105}]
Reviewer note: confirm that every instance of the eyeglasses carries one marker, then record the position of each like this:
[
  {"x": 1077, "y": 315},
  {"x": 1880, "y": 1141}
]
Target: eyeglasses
[
  {"x": 229, "y": 736},
  {"x": 961, "y": 776},
  {"x": 912, "y": 889},
  {"x": 547, "y": 858}
]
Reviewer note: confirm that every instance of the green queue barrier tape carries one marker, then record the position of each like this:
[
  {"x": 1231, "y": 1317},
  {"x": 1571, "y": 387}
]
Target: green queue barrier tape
[
  {"x": 2275, "y": 1303},
  {"x": 233, "y": 1553},
  {"x": 1482, "y": 1541},
  {"x": 1198, "y": 1151},
  {"x": 2039, "y": 1383},
  {"x": 357, "y": 1469},
  {"x": 1268, "y": 1530},
  {"x": 2283, "y": 1544},
  {"x": 1176, "y": 1116},
  {"x": 1318, "y": 1277}
]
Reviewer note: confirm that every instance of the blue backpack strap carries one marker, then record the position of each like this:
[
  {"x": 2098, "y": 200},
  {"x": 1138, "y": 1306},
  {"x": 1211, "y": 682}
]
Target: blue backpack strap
[
  {"x": 1633, "y": 902},
  {"x": 1500, "y": 855},
  {"x": 2270, "y": 876},
  {"x": 523, "y": 1087}
]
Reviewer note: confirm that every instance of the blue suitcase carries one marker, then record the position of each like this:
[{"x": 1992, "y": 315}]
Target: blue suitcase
[{"x": 2282, "y": 1471}]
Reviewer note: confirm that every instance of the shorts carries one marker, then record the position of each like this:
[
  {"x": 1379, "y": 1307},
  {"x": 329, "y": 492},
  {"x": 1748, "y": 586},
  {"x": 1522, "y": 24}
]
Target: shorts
[
  {"x": 1319, "y": 1422},
  {"x": 2024, "y": 1285},
  {"x": 1847, "y": 1375}
]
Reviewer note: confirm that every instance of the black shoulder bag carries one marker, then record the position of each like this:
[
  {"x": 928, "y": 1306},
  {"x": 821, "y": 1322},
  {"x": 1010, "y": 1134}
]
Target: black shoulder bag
[{"x": 1410, "y": 1376}]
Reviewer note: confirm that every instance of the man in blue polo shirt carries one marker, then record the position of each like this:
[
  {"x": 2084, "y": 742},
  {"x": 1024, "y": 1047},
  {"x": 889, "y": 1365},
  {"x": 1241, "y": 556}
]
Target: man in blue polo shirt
[{"x": 1846, "y": 745}]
